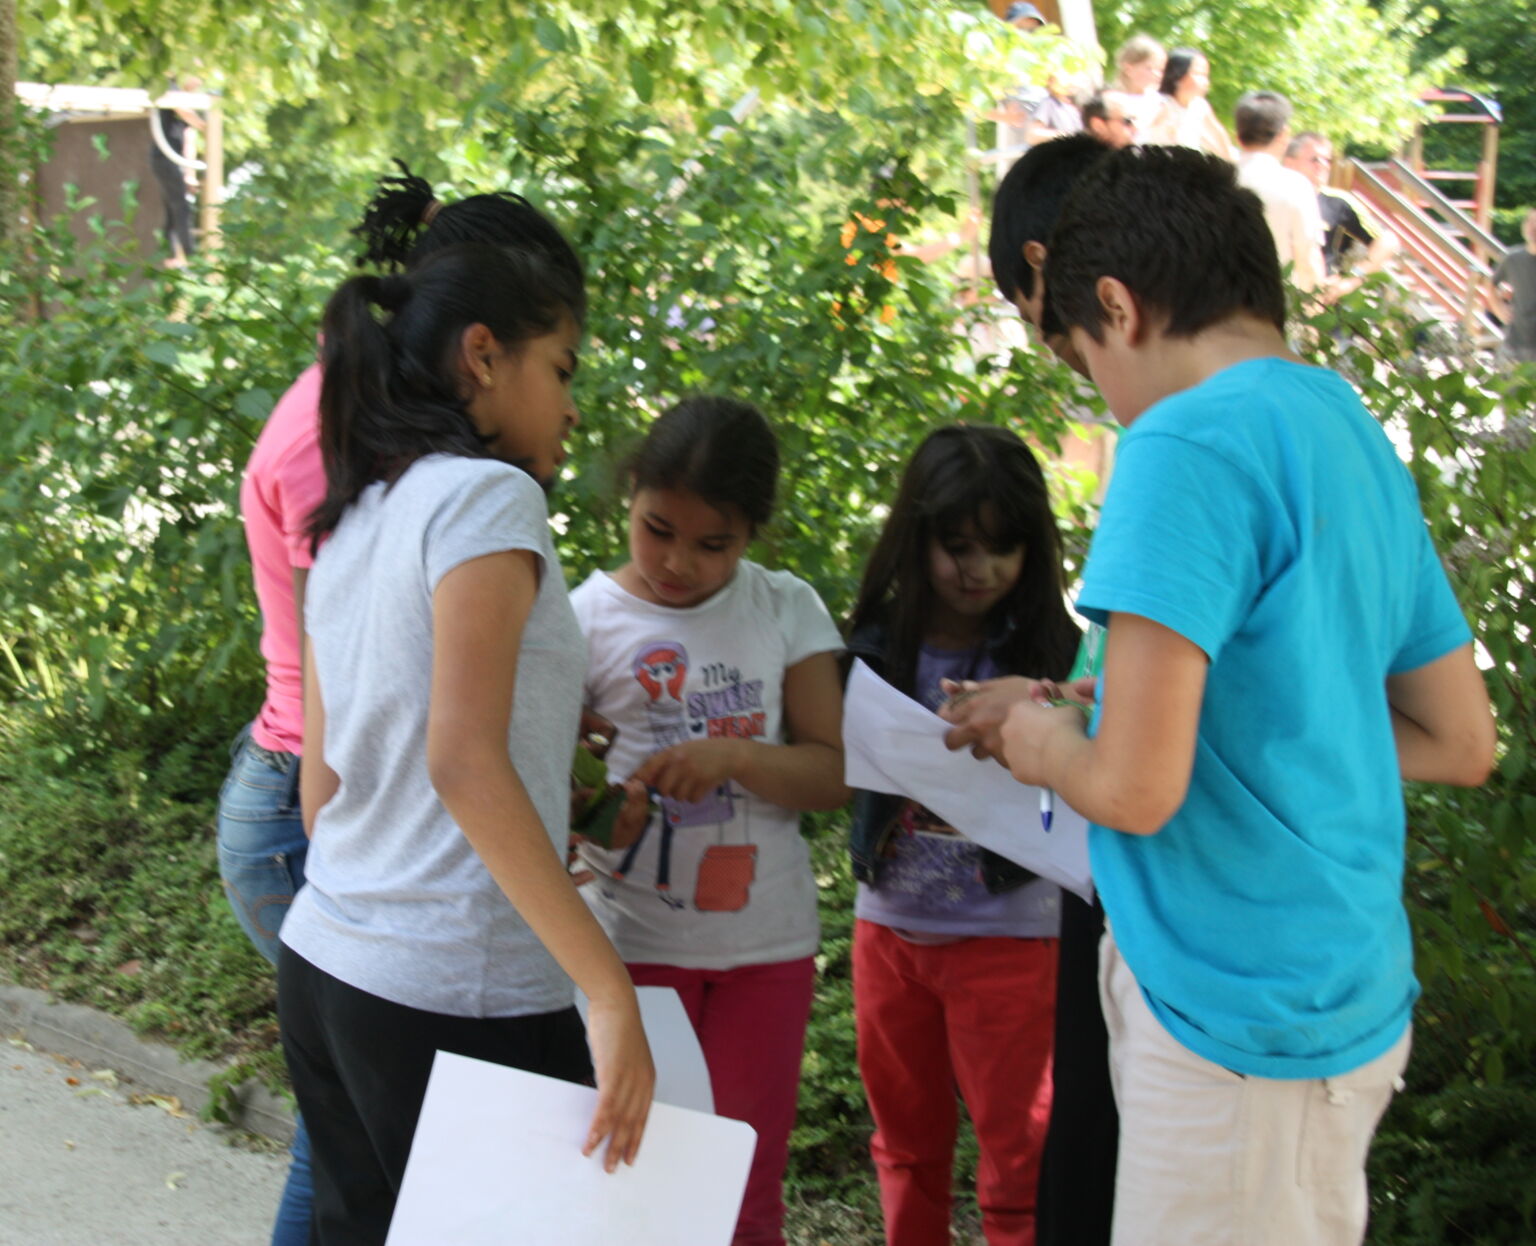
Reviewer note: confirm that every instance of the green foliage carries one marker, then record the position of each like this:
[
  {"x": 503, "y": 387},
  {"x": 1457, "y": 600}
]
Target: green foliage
[
  {"x": 717, "y": 262},
  {"x": 123, "y": 575},
  {"x": 1443, "y": 1170},
  {"x": 1499, "y": 40},
  {"x": 388, "y": 78},
  {"x": 830, "y": 1145},
  {"x": 112, "y": 890}
]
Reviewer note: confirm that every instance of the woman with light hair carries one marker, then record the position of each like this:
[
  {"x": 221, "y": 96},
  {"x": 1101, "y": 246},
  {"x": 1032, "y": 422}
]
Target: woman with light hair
[{"x": 1140, "y": 64}]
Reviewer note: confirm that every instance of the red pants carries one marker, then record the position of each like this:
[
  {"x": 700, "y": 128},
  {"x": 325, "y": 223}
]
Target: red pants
[
  {"x": 976, "y": 1015},
  {"x": 751, "y": 1024}
]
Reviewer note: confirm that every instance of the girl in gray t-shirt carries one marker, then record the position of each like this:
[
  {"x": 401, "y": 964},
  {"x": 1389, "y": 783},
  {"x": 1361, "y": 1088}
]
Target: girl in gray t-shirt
[{"x": 442, "y": 688}]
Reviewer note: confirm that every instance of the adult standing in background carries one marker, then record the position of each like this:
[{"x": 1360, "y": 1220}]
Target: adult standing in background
[
  {"x": 1346, "y": 236},
  {"x": 177, "y": 182},
  {"x": 1515, "y": 281},
  {"x": 1140, "y": 63},
  {"x": 1104, "y": 118},
  {"x": 1290, "y": 202},
  {"x": 1187, "y": 118},
  {"x": 1024, "y": 17},
  {"x": 261, "y": 841},
  {"x": 1015, "y": 112},
  {"x": 1057, "y": 115}
]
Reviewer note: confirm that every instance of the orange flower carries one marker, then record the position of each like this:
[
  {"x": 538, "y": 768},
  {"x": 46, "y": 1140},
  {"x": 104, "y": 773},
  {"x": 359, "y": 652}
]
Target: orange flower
[
  {"x": 887, "y": 314},
  {"x": 887, "y": 269},
  {"x": 850, "y": 228},
  {"x": 851, "y": 258}
]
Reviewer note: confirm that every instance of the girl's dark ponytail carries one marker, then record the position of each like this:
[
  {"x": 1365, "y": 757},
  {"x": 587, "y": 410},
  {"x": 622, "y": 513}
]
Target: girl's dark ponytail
[{"x": 391, "y": 391}]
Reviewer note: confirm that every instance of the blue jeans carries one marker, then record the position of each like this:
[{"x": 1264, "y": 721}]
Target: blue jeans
[{"x": 262, "y": 846}]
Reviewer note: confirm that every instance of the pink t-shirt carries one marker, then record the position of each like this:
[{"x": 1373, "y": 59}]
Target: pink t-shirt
[{"x": 284, "y": 482}]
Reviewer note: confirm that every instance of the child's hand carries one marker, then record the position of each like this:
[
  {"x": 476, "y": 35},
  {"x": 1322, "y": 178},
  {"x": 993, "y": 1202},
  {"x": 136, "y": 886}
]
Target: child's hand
[
  {"x": 626, "y": 1079},
  {"x": 978, "y": 711},
  {"x": 1080, "y": 692},
  {"x": 690, "y": 772},
  {"x": 630, "y": 824},
  {"x": 1027, "y": 733},
  {"x": 580, "y": 875}
]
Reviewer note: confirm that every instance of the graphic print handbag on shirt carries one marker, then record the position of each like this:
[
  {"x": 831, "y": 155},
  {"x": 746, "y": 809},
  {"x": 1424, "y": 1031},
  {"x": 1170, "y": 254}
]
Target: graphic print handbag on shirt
[{"x": 726, "y": 871}]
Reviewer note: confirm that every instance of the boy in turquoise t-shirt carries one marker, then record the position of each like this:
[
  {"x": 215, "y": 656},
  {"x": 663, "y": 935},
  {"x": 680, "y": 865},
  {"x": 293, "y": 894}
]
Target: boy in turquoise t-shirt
[{"x": 1283, "y": 650}]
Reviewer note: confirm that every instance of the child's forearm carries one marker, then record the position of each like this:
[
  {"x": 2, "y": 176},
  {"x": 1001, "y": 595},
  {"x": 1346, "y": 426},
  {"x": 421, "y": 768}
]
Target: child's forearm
[
  {"x": 805, "y": 776},
  {"x": 486, "y": 798},
  {"x": 1080, "y": 773}
]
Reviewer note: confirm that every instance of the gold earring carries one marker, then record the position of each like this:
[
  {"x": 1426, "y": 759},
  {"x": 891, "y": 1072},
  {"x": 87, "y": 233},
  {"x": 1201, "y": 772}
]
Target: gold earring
[{"x": 485, "y": 380}]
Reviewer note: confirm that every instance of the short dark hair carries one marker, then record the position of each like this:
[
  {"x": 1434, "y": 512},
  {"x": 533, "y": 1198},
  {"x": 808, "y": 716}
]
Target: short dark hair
[
  {"x": 1173, "y": 225},
  {"x": 1096, "y": 109},
  {"x": 1261, "y": 117},
  {"x": 719, "y": 448},
  {"x": 1027, "y": 202}
]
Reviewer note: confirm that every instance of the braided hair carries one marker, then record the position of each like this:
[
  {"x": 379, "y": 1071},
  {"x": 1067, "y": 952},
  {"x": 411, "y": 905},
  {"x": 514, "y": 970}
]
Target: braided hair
[{"x": 405, "y": 222}]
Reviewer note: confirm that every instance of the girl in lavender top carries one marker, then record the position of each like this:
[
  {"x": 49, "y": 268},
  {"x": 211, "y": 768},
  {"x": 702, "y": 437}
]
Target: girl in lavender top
[{"x": 955, "y": 948}]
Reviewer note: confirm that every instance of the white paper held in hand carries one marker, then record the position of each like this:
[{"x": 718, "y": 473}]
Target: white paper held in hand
[
  {"x": 892, "y": 744},
  {"x": 497, "y": 1161}
]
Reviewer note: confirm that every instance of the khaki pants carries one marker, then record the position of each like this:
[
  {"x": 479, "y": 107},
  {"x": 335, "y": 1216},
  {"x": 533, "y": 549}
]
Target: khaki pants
[{"x": 1209, "y": 1157}]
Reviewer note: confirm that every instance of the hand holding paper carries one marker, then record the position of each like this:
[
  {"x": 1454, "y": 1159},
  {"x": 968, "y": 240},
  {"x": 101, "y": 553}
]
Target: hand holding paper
[
  {"x": 978, "y": 711},
  {"x": 621, "y": 1060},
  {"x": 892, "y": 744}
]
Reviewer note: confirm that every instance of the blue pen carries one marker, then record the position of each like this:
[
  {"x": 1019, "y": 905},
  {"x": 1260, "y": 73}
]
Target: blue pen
[{"x": 1047, "y": 807}]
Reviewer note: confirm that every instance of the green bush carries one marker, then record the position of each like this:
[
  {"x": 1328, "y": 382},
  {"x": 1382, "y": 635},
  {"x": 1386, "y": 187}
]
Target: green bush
[
  {"x": 1447, "y": 1150},
  {"x": 112, "y": 888}
]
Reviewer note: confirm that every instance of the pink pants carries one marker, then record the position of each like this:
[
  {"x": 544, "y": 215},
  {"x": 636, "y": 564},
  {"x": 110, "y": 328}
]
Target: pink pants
[
  {"x": 751, "y": 1024},
  {"x": 977, "y": 1015}
]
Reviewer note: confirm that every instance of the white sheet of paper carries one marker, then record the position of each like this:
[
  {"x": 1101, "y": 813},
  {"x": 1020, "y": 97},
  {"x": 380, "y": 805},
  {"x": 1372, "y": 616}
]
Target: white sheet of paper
[
  {"x": 682, "y": 1076},
  {"x": 892, "y": 744},
  {"x": 497, "y": 1161}
]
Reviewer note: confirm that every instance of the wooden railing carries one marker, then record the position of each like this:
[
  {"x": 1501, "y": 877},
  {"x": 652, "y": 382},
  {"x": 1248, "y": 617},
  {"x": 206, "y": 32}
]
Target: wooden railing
[{"x": 1446, "y": 257}]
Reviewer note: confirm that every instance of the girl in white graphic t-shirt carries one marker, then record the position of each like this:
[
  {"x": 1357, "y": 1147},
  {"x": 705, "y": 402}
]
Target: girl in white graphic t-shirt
[{"x": 721, "y": 679}]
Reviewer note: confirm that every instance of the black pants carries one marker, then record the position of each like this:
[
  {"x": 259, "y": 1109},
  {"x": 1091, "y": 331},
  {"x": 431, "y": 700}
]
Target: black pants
[
  {"x": 360, "y": 1065},
  {"x": 1076, "y": 1201},
  {"x": 178, "y": 207}
]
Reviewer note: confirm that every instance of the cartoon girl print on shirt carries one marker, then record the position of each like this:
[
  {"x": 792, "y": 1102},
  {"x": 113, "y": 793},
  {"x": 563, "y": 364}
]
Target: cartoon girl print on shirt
[{"x": 661, "y": 668}]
